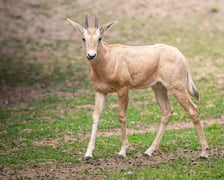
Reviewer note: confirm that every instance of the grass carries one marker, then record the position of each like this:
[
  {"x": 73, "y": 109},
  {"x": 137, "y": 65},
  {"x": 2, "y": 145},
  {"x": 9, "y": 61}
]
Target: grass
[
  {"x": 57, "y": 125},
  {"x": 178, "y": 169}
]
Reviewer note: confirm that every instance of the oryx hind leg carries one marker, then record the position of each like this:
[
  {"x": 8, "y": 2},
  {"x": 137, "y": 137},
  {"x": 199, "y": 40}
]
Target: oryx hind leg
[
  {"x": 123, "y": 104},
  {"x": 166, "y": 111},
  {"x": 185, "y": 101}
]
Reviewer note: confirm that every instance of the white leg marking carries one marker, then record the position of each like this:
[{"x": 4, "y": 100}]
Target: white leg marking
[
  {"x": 124, "y": 145},
  {"x": 99, "y": 104}
]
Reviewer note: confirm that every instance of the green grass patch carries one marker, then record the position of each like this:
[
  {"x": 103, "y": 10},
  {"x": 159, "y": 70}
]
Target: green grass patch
[{"x": 178, "y": 169}]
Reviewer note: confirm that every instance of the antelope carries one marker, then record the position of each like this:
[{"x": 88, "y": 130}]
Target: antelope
[{"x": 118, "y": 68}]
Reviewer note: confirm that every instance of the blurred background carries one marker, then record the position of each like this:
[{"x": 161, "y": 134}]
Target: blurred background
[{"x": 41, "y": 54}]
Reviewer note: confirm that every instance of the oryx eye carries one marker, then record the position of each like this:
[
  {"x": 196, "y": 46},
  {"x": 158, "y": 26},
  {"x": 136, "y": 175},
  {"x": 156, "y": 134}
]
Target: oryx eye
[
  {"x": 100, "y": 39},
  {"x": 83, "y": 39}
]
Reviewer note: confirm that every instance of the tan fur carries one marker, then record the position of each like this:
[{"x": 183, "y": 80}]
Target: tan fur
[{"x": 119, "y": 68}]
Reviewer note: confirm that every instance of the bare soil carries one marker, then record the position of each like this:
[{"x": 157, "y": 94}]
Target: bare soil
[
  {"x": 97, "y": 167},
  {"x": 20, "y": 95}
]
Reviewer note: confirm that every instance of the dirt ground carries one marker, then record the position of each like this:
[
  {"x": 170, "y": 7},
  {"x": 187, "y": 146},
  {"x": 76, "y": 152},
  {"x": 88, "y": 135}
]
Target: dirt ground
[{"x": 96, "y": 167}]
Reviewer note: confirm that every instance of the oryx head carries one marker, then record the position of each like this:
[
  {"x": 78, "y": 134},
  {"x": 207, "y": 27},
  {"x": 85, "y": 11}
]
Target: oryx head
[{"x": 91, "y": 36}]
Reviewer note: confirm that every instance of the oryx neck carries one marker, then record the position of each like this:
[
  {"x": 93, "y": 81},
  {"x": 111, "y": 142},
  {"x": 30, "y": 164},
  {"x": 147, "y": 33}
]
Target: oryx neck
[{"x": 100, "y": 64}]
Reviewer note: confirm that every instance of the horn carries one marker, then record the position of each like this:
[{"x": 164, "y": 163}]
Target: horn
[
  {"x": 96, "y": 22},
  {"x": 86, "y": 21}
]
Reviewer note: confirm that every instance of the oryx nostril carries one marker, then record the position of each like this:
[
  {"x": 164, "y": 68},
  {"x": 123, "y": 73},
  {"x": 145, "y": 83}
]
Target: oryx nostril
[{"x": 91, "y": 55}]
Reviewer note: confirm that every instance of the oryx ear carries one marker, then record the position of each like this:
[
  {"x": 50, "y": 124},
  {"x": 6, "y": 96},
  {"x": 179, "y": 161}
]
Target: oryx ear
[
  {"x": 76, "y": 25},
  {"x": 106, "y": 26}
]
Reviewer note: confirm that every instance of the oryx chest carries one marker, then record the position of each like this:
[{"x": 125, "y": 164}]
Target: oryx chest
[
  {"x": 105, "y": 87},
  {"x": 102, "y": 86},
  {"x": 109, "y": 82}
]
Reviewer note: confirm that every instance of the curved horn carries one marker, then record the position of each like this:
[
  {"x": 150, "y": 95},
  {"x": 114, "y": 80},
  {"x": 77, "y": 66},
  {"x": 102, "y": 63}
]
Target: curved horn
[
  {"x": 86, "y": 21},
  {"x": 96, "y": 22}
]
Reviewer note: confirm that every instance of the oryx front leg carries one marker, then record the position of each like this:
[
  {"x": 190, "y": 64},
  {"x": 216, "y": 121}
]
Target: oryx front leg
[
  {"x": 99, "y": 104},
  {"x": 123, "y": 103}
]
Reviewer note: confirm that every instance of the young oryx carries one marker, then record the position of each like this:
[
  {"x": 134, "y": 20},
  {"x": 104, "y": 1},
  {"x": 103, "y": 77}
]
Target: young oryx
[{"x": 119, "y": 68}]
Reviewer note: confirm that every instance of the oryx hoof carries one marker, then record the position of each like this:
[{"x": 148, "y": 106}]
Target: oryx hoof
[
  {"x": 120, "y": 156},
  {"x": 204, "y": 155},
  {"x": 86, "y": 158},
  {"x": 145, "y": 155},
  {"x": 148, "y": 153}
]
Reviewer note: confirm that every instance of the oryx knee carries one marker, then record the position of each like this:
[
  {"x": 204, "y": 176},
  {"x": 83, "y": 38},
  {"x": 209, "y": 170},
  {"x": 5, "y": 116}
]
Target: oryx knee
[
  {"x": 95, "y": 118},
  {"x": 166, "y": 116},
  {"x": 194, "y": 115},
  {"x": 122, "y": 117}
]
